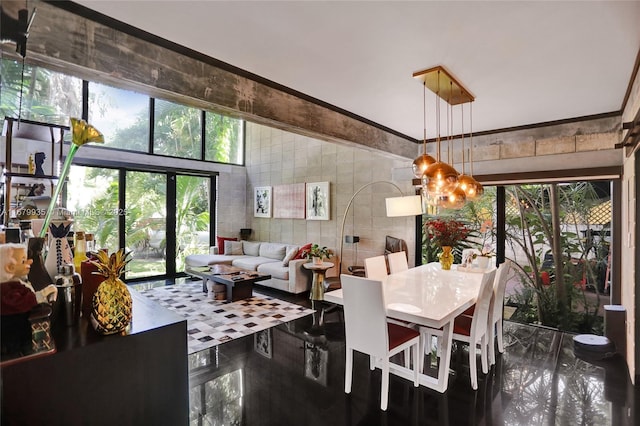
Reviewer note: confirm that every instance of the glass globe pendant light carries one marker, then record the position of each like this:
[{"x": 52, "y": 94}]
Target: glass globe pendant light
[
  {"x": 443, "y": 178},
  {"x": 422, "y": 162},
  {"x": 471, "y": 187}
]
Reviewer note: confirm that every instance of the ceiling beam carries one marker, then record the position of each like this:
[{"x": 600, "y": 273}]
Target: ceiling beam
[{"x": 79, "y": 43}]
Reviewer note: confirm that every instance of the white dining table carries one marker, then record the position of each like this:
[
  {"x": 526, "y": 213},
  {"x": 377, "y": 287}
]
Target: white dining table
[{"x": 428, "y": 296}]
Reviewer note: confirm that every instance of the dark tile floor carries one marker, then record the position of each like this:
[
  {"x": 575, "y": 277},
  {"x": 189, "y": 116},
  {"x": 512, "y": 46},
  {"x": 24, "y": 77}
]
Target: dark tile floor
[{"x": 299, "y": 380}]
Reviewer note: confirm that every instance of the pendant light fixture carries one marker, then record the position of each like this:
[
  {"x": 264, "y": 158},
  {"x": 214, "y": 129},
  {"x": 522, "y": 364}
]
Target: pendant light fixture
[
  {"x": 443, "y": 178},
  {"x": 441, "y": 181},
  {"x": 422, "y": 163}
]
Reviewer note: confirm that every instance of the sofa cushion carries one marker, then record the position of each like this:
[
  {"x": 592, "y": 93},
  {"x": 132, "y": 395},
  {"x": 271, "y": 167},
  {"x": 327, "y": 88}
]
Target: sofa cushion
[
  {"x": 302, "y": 253},
  {"x": 250, "y": 263},
  {"x": 233, "y": 248},
  {"x": 291, "y": 253},
  {"x": 221, "y": 241},
  {"x": 275, "y": 269},
  {"x": 251, "y": 248},
  {"x": 273, "y": 250},
  {"x": 208, "y": 259}
]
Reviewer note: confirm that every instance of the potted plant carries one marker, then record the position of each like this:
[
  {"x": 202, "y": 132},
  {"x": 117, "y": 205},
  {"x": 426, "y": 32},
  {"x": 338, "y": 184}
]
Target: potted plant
[
  {"x": 318, "y": 254},
  {"x": 482, "y": 258}
]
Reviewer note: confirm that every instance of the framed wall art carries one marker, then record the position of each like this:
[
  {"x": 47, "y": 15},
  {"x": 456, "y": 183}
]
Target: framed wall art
[
  {"x": 288, "y": 201},
  {"x": 262, "y": 201},
  {"x": 318, "y": 203}
]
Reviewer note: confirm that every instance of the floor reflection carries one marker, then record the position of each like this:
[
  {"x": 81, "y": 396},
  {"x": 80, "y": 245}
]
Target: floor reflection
[{"x": 300, "y": 380}]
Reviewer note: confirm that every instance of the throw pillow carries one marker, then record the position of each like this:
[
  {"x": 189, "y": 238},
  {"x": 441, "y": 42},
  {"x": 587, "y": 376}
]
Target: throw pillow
[
  {"x": 289, "y": 256},
  {"x": 251, "y": 248},
  {"x": 302, "y": 253},
  {"x": 233, "y": 248},
  {"x": 221, "y": 241}
]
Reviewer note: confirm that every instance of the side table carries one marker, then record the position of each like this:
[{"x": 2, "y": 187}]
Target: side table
[{"x": 317, "y": 286}]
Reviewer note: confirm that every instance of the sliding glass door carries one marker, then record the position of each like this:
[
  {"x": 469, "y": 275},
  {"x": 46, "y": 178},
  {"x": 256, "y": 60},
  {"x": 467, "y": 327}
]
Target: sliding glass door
[
  {"x": 160, "y": 217},
  {"x": 192, "y": 218},
  {"x": 146, "y": 223}
]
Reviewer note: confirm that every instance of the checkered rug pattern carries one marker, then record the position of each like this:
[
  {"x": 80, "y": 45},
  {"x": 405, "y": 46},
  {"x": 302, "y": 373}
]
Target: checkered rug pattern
[{"x": 211, "y": 322}]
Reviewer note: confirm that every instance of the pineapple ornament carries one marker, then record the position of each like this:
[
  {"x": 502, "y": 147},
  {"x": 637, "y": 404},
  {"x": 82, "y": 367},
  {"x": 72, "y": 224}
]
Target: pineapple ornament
[{"x": 111, "y": 308}]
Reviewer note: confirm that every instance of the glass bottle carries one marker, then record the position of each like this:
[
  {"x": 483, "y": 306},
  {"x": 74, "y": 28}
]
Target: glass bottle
[
  {"x": 80, "y": 251},
  {"x": 90, "y": 243}
]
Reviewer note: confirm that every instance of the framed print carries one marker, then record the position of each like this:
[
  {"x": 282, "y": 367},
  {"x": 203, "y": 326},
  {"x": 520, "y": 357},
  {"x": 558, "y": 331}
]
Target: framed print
[
  {"x": 288, "y": 201},
  {"x": 262, "y": 201},
  {"x": 262, "y": 343},
  {"x": 318, "y": 206},
  {"x": 315, "y": 363}
]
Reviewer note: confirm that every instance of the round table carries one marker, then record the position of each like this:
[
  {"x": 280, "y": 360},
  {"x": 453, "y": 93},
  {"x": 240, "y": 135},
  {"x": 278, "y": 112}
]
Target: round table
[{"x": 317, "y": 286}]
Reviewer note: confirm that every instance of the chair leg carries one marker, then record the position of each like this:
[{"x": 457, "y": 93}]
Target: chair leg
[
  {"x": 417, "y": 364},
  {"x": 483, "y": 354},
  {"x": 372, "y": 363},
  {"x": 491, "y": 343},
  {"x": 499, "y": 335},
  {"x": 384, "y": 391},
  {"x": 473, "y": 372},
  {"x": 348, "y": 371},
  {"x": 407, "y": 360}
]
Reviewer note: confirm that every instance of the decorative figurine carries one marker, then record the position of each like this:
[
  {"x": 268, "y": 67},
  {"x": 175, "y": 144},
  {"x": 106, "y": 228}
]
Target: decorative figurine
[
  {"x": 40, "y": 157},
  {"x": 32, "y": 165},
  {"x": 14, "y": 268},
  {"x": 20, "y": 320}
]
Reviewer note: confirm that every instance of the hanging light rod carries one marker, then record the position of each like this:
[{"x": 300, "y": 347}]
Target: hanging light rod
[{"x": 449, "y": 89}]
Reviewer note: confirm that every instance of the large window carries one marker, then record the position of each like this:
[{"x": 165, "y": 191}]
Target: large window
[
  {"x": 177, "y": 130},
  {"x": 572, "y": 298},
  {"x": 47, "y": 96},
  {"x": 121, "y": 115},
  {"x": 224, "y": 139}
]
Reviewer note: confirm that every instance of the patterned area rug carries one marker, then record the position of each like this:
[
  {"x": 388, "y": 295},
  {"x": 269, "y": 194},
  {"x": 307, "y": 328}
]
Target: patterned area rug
[{"x": 211, "y": 322}]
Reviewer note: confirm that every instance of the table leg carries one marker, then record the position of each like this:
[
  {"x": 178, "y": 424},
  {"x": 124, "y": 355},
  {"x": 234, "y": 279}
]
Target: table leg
[
  {"x": 445, "y": 358},
  {"x": 317, "y": 286}
]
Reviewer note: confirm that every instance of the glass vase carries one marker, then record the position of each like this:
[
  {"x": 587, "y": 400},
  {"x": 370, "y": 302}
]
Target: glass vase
[{"x": 446, "y": 258}]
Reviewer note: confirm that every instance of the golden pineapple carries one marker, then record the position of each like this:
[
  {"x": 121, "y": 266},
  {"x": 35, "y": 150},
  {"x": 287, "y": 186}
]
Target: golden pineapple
[{"x": 111, "y": 308}]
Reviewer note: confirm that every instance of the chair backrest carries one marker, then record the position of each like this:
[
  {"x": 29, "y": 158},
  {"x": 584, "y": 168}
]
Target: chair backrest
[
  {"x": 375, "y": 268},
  {"x": 397, "y": 262},
  {"x": 483, "y": 302},
  {"x": 496, "y": 309},
  {"x": 393, "y": 245},
  {"x": 365, "y": 317}
]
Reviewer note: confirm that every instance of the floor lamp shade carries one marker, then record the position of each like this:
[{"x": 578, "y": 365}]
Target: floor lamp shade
[{"x": 404, "y": 206}]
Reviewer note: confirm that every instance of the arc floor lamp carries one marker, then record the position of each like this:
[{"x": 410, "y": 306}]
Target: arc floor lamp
[{"x": 405, "y": 205}]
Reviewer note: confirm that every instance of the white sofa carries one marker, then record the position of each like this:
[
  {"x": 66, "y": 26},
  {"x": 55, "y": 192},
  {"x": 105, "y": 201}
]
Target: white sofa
[{"x": 263, "y": 257}]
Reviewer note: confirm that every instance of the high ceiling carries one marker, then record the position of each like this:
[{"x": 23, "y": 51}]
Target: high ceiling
[{"x": 526, "y": 62}]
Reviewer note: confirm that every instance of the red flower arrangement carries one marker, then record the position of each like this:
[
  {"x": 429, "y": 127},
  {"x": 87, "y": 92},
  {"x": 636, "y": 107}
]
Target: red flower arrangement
[{"x": 446, "y": 232}]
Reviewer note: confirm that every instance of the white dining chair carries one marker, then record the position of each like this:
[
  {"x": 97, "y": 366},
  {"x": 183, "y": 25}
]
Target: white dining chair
[
  {"x": 367, "y": 331},
  {"x": 496, "y": 310},
  {"x": 473, "y": 329},
  {"x": 375, "y": 268},
  {"x": 397, "y": 262}
]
